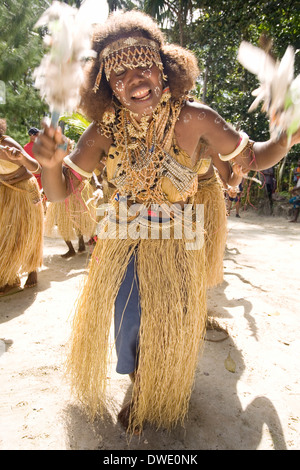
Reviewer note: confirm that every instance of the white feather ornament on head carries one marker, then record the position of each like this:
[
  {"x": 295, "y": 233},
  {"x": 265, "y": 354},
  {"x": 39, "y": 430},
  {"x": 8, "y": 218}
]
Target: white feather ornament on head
[
  {"x": 60, "y": 73},
  {"x": 279, "y": 91}
]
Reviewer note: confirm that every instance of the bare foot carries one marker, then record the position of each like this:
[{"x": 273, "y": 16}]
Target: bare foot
[
  {"x": 124, "y": 419},
  {"x": 31, "y": 279},
  {"x": 71, "y": 251},
  {"x": 10, "y": 288},
  {"x": 69, "y": 254}
]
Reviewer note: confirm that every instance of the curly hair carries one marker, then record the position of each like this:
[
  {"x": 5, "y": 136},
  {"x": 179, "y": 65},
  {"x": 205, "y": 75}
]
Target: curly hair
[
  {"x": 180, "y": 65},
  {"x": 2, "y": 126}
]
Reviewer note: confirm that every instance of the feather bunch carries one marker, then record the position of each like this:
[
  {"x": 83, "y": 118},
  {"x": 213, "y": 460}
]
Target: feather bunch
[
  {"x": 60, "y": 73},
  {"x": 279, "y": 90}
]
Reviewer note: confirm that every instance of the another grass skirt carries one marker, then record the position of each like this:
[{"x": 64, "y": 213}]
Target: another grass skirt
[
  {"x": 73, "y": 217},
  {"x": 172, "y": 287},
  {"x": 21, "y": 230},
  {"x": 210, "y": 193}
]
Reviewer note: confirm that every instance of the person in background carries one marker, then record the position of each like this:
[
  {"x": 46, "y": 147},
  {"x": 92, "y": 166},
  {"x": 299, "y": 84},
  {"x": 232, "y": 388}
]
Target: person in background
[
  {"x": 21, "y": 216},
  {"x": 234, "y": 195},
  {"x": 297, "y": 172},
  {"x": 295, "y": 200},
  {"x": 33, "y": 134},
  {"x": 269, "y": 184},
  {"x": 73, "y": 217}
]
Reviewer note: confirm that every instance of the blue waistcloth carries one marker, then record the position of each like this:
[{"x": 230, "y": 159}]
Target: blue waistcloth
[{"x": 127, "y": 320}]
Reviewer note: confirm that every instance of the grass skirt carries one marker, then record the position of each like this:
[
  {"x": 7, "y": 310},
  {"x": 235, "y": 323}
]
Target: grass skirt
[
  {"x": 172, "y": 286},
  {"x": 73, "y": 216},
  {"x": 21, "y": 230},
  {"x": 210, "y": 193}
]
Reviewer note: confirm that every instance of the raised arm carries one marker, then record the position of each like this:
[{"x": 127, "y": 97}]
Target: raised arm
[
  {"x": 240, "y": 149},
  {"x": 49, "y": 151},
  {"x": 232, "y": 145}
]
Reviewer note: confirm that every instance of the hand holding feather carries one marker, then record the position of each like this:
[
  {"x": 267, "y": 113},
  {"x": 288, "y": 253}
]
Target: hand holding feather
[{"x": 279, "y": 91}]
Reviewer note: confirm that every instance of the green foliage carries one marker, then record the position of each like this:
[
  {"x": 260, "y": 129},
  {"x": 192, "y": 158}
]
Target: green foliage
[
  {"x": 74, "y": 125},
  {"x": 20, "y": 52}
]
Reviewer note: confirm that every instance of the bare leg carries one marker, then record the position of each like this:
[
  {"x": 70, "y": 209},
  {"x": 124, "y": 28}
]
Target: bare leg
[
  {"x": 229, "y": 204},
  {"x": 132, "y": 376},
  {"x": 81, "y": 245},
  {"x": 31, "y": 279},
  {"x": 71, "y": 251},
  {"x": 124, "y": 415},
  {"x": 296, "y": 215}
]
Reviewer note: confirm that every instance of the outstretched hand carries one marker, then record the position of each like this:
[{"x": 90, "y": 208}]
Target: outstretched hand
[{"x": 50, "y": 147}]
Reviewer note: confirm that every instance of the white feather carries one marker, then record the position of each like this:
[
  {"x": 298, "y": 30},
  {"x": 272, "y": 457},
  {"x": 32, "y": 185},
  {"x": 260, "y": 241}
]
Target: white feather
[
  {"x": 256, "y": 61},
  {"x": 278, "y": 91},
  {"x": 60, "y": 75},
  {"x": 94, "y": 11}
]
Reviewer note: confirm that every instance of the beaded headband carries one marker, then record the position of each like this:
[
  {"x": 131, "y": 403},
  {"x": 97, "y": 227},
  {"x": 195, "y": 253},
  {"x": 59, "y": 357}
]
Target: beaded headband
[{"x": 128, "y": 53}]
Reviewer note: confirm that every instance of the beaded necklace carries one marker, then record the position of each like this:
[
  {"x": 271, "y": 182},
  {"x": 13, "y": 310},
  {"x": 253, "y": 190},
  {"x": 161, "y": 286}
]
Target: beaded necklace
[{"x": 145, "y": 157}]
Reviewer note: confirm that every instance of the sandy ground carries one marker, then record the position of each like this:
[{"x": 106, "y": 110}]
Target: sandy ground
[{"x": 246, "y": 393}]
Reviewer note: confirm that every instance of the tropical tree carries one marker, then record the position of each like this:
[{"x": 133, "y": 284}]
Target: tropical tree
[
  {"x": 20, "y": 53},
  {"x": 174, "y": 15}
]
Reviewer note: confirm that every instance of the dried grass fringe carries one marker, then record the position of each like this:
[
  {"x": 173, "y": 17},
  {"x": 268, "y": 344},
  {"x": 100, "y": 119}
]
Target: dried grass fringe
[
  {"x": 72, "y": 216},
  {"x": 173, "y": 303},
  {"x": 21, "y": 230},
  {"x": 210, "y": 193}
]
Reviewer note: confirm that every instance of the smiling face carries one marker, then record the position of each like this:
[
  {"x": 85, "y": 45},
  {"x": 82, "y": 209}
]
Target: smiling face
[
  {"x": 134, "y": 70},
  {"x": 138, "y": 89}
]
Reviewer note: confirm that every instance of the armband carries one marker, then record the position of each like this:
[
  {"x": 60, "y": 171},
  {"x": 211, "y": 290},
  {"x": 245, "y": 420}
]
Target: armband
[
  {"x": 76, "y": 168},
  {"x": 241, "y": 145}
]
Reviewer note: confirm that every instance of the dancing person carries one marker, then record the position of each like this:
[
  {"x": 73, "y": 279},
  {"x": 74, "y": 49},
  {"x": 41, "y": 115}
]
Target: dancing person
[
  {"x": 135, "y": 94},
  {"x": 21, "y": 216}
]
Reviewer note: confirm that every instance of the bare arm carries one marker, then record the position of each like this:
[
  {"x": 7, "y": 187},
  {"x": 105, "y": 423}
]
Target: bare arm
[
  {"x": 224, "y": 139},
  {"x": 50, "y": 156},
  {"x": 264, "y": 154},
  {"x": 86, "y": 155},
  {"x": 267, "y": 154},
  {"x": 225, "y": 170},
  {"x": 12, "y": 151}
]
